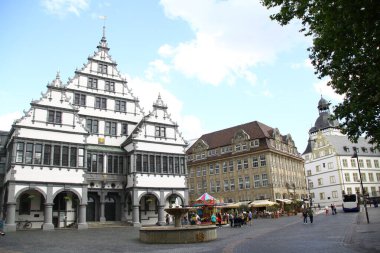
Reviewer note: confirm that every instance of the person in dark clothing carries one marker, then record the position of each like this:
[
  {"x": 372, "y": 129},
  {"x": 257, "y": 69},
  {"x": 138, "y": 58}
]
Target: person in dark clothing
[
  {"x": 304, "y": 214},
  {"x": 310, "y": 213}
]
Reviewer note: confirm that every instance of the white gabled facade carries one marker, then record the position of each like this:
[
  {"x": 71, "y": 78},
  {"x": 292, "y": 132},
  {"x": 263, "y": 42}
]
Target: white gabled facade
[
  {"x": 158, "y": 167},
  {"x": 330, "y": 169},
  {"x": 77, "y": 155}
]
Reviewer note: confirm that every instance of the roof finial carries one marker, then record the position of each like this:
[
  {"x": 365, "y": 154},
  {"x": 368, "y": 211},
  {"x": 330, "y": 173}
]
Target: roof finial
[{"x": 104, "y": 24}]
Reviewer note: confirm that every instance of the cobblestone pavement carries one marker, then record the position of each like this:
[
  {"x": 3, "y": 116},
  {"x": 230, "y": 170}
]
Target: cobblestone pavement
[{"x": 345, "y": 232}]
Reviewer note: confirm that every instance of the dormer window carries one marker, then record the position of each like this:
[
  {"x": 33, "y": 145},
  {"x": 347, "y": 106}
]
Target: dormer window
[
  {"x": 102, "y": 68},
  {"x": 255, "y": 143},
  {"x": 365, "y": 150},
  {"x": 160, "y": 132},
  {"x": 346, "y": 149}
]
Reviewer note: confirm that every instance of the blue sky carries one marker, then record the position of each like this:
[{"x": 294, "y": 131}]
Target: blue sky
[{"x": 216, "y": 63}]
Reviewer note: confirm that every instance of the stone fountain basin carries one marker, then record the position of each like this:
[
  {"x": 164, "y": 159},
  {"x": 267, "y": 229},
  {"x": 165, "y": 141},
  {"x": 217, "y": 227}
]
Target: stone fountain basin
[{"x": 184, "y": 234}]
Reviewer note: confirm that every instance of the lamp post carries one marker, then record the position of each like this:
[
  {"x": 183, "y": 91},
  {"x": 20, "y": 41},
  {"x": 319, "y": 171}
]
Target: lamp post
[
  {"x": 310, "y": 198},
  {"x": 361, "y": 184}
]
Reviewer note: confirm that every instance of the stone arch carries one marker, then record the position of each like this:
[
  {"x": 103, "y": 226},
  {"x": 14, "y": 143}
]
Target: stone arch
[
  {"x": 27, "y": 188},
  {"x": 69, "y": 190},
  {"x": 175, "y": 193},
  {"x": 147, "y": 193}
]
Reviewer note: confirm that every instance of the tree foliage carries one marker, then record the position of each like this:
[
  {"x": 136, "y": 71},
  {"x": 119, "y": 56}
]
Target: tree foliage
[{"x": 346, "y": 48}]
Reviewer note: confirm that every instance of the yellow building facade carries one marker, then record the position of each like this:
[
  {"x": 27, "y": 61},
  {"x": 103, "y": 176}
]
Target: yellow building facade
[{"x": 251, "y": 161}]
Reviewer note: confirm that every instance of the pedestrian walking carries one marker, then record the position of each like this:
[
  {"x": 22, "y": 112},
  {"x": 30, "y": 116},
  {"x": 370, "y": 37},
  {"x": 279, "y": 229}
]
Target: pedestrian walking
[
  {"x": 231, "y": 219},
  {"x": 310, "y": 213},
  {"x": 250, "y": 218},
  {"x": 327, "y": 210},
  {"x": 219, "y": 219},
  {"x": 332, "y": 209},
  {"x": 304, "y": 214}
]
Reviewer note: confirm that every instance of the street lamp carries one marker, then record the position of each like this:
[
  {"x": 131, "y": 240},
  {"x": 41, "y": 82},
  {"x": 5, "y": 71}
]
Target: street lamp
[
  {"x": 308, "y": 187},
  {"x": 361, "y": 183}
]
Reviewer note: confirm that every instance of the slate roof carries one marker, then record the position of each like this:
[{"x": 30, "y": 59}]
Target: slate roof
[{"x": 221, "y": 138}]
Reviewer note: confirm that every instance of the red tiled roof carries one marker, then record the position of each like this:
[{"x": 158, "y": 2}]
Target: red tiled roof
[{"x": 254, "y": 129}]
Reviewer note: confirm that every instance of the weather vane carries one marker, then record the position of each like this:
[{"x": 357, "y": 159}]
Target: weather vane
[{"x": 104, "y": 24}]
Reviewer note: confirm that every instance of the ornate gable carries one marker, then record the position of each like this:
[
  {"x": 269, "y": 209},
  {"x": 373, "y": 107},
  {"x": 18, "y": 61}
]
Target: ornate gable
[{"x": 240, "y": 136}]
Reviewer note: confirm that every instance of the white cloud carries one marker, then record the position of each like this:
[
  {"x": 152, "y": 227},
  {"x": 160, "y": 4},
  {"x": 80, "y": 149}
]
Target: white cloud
[
  {"x": 158, "y": 70},
  {"x": 230, "y": 38},
  {"x": 147, "y": 91},
  {"x": 6, "y": 120},
  {"x": 305, "y": 64},
  {"x": 326, "y": 91},
  {"x": 63, "y": 7}
]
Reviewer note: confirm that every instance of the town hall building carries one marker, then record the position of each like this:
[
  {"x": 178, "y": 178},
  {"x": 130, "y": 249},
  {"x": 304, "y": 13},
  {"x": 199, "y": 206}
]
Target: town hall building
[{"x": 86, "y": 152}]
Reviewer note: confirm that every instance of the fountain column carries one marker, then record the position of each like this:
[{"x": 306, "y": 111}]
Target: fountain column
[
  {"x": 161, "y": 216},
  {"x": 136, "y": 216}
]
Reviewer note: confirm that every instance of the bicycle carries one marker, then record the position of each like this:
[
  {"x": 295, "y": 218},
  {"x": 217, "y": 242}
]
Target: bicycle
[{"x": 24, "y": 225}]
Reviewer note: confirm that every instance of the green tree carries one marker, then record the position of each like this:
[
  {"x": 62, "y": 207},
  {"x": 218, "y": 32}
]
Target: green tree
[{"x": 346, "y": 48}]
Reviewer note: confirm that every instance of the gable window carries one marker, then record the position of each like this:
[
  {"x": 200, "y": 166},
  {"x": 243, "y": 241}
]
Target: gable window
[
  {"x": 79, "y": 99},
  {"x": 100, "y": 103},
  {"x": 73, "y": 157},
  {"x": 211, "y": 169},
  {"x": 224, "y": 167},
  {"x": 19, "y": 152},
  {"x": 217, "y": 169},
  {"x": 231, "y": 166},
  {"x": 54, "y": 117},
  {"x": 102, "y": 68},
  {"x": 110, "y": 128},
  {"x": 160, "y": 132},
  {"x": 256, "y": 179},
  {"x": 247, "y": 182},
  {"x": 237, "y": 147},
  {"x": 124, "y": 129},
  {"x": 92, "y": 83},
  {"x": 255, "y": 162},
  {"x": 239, "y": 166},
  {"x": 56, "y": 155},
  {"x": 95, "y": 162},
  {"x": 264, "y": 178},
  {"x": 347, "y": 177},
  {"x": 262, "y": 161},
  {"x": 47, "y": 155},
  {"x": 92, "y": 125},
  {"x": 120, "y": 106},
  {"x": 241, "y": 185},
  {"x": 115, "y": 164},
  {"x": 232, "y": 184},
  {"x": 109, "y": 86},
  {"x": 29, "y": 153},
  {"x": 245, "y": 163}
]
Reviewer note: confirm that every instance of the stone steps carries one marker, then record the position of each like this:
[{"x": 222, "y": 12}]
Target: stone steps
[{"x": 108, "y": 224}]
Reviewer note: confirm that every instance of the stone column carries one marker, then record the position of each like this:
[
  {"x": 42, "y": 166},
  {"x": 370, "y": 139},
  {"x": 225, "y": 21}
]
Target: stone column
[
  {"x": 10, "y": 225},
  {"x": 82, "y": 223},
  {"x": 102, "y": 216},
  {"x": 161, "y": 216},
  {"x": 48, "y": 217},
  {"x": 136, "y": 216}
]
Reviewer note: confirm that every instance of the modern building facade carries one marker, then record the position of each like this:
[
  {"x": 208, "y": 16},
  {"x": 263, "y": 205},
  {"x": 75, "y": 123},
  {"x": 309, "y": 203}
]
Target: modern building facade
[
  {"x": 331, "y": 169},
  {"x": 251, "y": 161},
  {"x": 85, "y": 151}
]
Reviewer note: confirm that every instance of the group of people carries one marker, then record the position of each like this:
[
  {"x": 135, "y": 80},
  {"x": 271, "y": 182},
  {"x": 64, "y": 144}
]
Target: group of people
[{"x": 308, "y": 212}]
